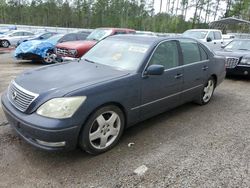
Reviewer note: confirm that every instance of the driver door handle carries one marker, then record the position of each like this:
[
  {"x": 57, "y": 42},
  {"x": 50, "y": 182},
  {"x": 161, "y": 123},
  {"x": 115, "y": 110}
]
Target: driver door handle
[
  {"x": 177, "y": 76},
  {"x": 205, "y": 68}
]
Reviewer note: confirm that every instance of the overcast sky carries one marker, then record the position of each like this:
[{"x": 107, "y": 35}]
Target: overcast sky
[{"x": 190, "y": 12}]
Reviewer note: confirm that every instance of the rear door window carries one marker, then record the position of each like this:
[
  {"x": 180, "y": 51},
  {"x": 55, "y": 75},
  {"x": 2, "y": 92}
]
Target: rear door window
[
  {"x": 190, "y": 51},
  {"x": 119, "y": 32},
  {"x": 18, "y": 34},
  {"x": 217, "y": 35}
]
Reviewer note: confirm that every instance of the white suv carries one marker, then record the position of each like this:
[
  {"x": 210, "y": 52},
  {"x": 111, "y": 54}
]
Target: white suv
[{"x": 211, "y": 37}]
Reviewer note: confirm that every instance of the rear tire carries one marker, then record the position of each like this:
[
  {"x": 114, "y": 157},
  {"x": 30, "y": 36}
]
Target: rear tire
[
  {"x": 5, "y": 43},
  {"x": 102, "y": 130},
  {"x": 207, "y": 92}
]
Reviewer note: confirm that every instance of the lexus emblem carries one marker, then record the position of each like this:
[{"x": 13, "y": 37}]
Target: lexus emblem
[{"x": 14, "y": 95}]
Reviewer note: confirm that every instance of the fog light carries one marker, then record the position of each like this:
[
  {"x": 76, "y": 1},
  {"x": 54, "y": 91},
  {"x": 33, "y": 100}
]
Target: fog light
[
  {"x": 246, "y": 72},
  {"x": 51, "y": 144}
]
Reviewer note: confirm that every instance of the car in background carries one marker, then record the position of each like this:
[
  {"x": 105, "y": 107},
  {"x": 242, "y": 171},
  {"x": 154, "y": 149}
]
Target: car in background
[
  {"x": 38, "y": 36},
  {"x": 147, "y": 33},
  {"x": 69, "y": 51},
  {"x": 211, "y": 37},
  {"x": 4, "y": 30},
  {"x": 85, "y": 33},
  {"x": 43, "y": 50},
  {"x": 227, "y": 38},
  {"x": 237, "y": 54},
  {"x": 11, "y": 38},
  {"x": 121, "y": 81}
]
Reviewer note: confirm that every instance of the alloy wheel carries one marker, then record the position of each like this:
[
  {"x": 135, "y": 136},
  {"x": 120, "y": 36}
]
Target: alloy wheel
[
  {"x": 104, "y": 130},
  {"x": 208, "y": 91},
  {"x": 48, "y": 58},
  {"x": 5, "y": 44}
]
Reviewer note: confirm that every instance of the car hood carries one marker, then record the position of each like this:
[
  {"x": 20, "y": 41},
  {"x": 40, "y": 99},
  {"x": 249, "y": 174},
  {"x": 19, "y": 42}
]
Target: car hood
[
  {"x": 235, "y": 53},
  {"x": 77, "y": 44},
  {"x": 37, "y": 47},
  {"x": 66, "y": 77}
]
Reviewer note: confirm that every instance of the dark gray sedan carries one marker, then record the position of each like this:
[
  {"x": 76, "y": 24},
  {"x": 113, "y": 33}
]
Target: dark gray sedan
[
  {"x": 237, "y": 54},
  {"x": 121, "y": 81}
]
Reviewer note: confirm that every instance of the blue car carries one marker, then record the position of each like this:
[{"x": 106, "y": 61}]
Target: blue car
[
  {"x": 43, "y": 50},
  {"x": 122, "y": 80}
]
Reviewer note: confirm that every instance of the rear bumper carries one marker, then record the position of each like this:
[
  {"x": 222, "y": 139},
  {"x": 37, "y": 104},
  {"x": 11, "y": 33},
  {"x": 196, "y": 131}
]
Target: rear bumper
[
  {"x": 239, "y": 70},
  {"x": 42, "y": 138}
]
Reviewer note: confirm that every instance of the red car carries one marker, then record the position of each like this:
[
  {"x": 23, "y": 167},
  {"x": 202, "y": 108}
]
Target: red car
[{"x": 75, "y": 49}]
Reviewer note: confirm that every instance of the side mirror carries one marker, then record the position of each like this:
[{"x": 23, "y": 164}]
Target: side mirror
[
  {"x": 41, "y": 38},
  {"x": 155, "y": 70},
  {"x": 209, "y": 39}
]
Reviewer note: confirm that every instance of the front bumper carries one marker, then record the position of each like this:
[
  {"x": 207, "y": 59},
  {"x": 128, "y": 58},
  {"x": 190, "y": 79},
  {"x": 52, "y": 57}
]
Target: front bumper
[
  {"x": 241, "y": 70},
  {"x": 65, "y": 59},
  {"x": 43, "y": 138},
  {"x": 29, "y": 56}
]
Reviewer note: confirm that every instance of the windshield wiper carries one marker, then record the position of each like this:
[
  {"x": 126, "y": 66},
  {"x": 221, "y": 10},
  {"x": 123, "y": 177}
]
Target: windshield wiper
[{"x": 89, "y": 61}]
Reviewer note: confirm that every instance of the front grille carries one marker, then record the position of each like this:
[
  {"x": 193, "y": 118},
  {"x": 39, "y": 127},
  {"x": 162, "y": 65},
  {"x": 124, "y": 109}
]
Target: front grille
[
  {"x": 65, "y": 52},
  {"x": 62, "y": 52},
  {"x": 232, "y": 62},
  {"x": 20, "y": 97}
]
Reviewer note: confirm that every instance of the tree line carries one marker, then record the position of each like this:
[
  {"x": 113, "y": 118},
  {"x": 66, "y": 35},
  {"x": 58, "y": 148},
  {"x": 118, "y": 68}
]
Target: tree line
[{"x": 137, "y": 14}]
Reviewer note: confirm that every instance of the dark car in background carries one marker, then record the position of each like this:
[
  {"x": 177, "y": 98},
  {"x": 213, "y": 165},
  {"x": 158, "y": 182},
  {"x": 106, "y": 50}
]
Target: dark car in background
[
  {"x": 43, "y": 50},
  {"x": 38, "y": 36},
  {"x": 121, "y": 81},
  {"x": 237, "y": 54}
]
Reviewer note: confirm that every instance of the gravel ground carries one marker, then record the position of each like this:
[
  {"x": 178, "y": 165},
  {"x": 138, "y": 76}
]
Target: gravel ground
[{"x": 191, "y": 146}]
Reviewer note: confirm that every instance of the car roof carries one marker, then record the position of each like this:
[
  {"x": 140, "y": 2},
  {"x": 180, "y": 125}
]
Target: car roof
[
  {"x": 239, "y": 39},
  {"x": 114, "y": 28},
  {"x": 149, "y": 39},
  {"x": 21, "y": 31},
  {"x": 204, "y": 29}
]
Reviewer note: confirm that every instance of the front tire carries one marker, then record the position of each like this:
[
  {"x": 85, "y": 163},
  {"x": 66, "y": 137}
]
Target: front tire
[
  {"x": 5, "y": 44},
  {"x": 48, "y": 58},
  {"x": 102, "y": 130},
  {"x": 207, "y": 91}
]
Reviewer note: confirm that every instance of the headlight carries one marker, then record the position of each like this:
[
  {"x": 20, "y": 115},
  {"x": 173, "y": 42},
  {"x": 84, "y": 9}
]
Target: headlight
[
  {"x": 245, "y": 61},
  {"x": 61, "y": 108},
  {"x": 73, "y": 52}
]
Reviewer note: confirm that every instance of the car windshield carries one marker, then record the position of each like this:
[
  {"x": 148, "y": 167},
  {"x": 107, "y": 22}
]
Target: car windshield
[
  {"x": 238, "y": 45},
  {"x": 125, "y": 55},
  {"x": 99, "y": 34},
  {"x": 195, "y": 34},
  {"x": 53, "y": 40}
]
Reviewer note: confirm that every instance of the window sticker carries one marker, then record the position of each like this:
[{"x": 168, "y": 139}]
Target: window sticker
[{"x": 138, "y": 49}]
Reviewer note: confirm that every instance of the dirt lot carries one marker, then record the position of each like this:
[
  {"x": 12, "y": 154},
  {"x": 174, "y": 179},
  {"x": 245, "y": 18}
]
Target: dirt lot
[{"x": 191, "y": 146}]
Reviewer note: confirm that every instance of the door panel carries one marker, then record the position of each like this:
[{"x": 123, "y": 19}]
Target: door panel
[
  {"x": 162, "y": 92},
  {"x": 195, "y": 69}
]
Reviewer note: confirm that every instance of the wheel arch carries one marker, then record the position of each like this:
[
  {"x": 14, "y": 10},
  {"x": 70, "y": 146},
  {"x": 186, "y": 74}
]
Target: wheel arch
[
  {"x": 215, "y": 78},
  {"x": 117, "y": 104}
]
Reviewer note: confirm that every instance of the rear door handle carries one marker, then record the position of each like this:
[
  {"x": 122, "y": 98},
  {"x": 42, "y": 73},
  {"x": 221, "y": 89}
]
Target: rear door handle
[
  {"x": 205, "y": 68},
  {"x": 178, "y": 76}
]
